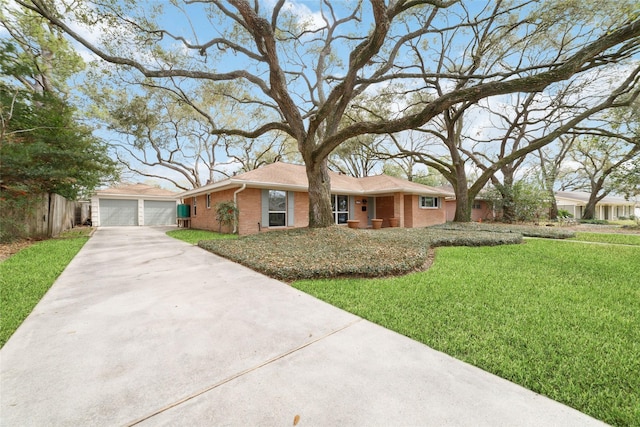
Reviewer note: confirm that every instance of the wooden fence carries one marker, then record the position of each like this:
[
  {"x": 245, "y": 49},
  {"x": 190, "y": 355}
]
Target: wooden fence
[{"x": 48, "y": 214}]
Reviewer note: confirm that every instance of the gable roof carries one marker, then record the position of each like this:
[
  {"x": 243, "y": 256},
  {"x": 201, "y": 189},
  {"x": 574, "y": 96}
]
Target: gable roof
[
  {"x": 287, "y": 176},
  {"x": 136, "y": 190},
  {"x": 583, "y": 197}
]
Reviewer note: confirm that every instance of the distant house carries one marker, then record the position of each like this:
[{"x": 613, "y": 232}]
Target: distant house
[
  {"x": 609, "y": 208},
  {"x": 276, "y": 197},
  {"x": 133, "y": 204}
]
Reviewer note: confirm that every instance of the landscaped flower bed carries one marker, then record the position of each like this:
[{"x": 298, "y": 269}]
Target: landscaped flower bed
[
  {"x": 525, "y": 230},
  {"x": 341, "y": 251}
]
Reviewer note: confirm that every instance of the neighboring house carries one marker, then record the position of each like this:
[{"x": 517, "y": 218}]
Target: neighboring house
[
  {"x": 133, "y": 204},
  {"x": 276, "y": 197},
  {"x": 481, "y": 209},
  {"x": 609, "y": 208}
]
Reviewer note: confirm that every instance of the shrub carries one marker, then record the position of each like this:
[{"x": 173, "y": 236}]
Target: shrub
[
  {"x": 523, "y": 201},
  {"x": 226, "y": 214},
  {"x": 563, "y": 213},
  {"x": 12, "y": 223}
]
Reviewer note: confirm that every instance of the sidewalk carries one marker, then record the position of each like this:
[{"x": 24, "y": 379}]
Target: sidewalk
[{"x": 144, "y": 329}]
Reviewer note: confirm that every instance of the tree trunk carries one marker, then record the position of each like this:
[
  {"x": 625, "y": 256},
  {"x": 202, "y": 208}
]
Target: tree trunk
[
  {"x": 508, "y": 208},
  {"x": 590, "y": 209},
  {"x": 508, "y": 200},
  {"x": 553, "y": 210},
  {"x": 463, "y": 206},
  {"x": 320, "y": 214}
]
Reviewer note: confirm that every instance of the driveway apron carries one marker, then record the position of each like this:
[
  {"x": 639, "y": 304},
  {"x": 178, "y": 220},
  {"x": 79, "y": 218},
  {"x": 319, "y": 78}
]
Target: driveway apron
[{"x": 142, "y": 329}]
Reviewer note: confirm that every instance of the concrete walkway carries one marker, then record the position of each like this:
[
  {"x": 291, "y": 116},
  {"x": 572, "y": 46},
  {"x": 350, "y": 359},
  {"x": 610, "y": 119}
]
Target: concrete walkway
[{"x": 144, "y": 329}]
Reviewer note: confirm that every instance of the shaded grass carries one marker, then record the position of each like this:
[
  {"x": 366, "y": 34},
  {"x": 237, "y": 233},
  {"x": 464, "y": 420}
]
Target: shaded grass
[
  {"x": 615, "y": 238},
  {"x": 341, "y": 251},
  {"x": 27, "y": 275},
  {"x": 563, "y": 323},
  {"x": 194, "y": 236}
]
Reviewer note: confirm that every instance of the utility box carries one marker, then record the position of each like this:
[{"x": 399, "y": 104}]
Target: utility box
[{"x": 184, "y": 211}]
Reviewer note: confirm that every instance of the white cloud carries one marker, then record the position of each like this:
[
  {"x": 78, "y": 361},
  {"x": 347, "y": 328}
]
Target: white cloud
[{"x": 306, "y": 18}]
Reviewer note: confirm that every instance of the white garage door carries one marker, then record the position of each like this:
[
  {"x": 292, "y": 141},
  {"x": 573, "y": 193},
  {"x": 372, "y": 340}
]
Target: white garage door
[
  {"x": 159, "y": 213},
  {"x": 115, "y": 212}
]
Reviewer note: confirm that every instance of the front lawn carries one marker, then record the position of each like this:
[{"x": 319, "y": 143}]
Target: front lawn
[
  {"x": 193, "y": 236},
  {"x": 559, "y": 318},
  {"x": 615, "y": 238},
  {"x": 26, "y": 276}
]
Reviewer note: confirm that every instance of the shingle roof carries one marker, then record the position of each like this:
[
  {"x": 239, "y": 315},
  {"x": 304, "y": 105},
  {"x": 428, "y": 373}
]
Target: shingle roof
[
  {"x": 289, "y": 176},
  {"x": 135, "y": 189}
]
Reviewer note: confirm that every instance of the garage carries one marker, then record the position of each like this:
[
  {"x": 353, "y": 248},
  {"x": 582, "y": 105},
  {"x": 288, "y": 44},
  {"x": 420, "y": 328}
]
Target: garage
[
  {"x": 157, "y": 212},
  {"x": 133, "y": 205},
  {"x": 117, "y": 212}
]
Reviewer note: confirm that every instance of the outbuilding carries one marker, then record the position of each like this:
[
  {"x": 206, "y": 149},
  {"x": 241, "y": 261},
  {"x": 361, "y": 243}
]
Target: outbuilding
[{"x": 133, "y": 205}]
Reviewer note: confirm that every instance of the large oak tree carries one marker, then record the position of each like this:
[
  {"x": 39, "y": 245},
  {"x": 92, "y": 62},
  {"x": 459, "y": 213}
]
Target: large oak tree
[{"x": 309, "y": 73}]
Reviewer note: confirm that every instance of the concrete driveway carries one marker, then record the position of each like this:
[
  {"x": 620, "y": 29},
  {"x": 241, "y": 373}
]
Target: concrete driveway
[{"x": 144, "y": 329}]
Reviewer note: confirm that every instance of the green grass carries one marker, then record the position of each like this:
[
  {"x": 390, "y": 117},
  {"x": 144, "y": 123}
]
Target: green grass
[
  {"x": 194, "y": 236},
  {"x": 621, "y": 239},
  {"x": 563, "y": 322},
  {"x": 26, "y": 276},
  {"x": 624, "y": 222}
]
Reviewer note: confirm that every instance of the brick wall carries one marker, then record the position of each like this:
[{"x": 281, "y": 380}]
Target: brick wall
[
  {"x": 484, "y": 213},
  {"x": 410, "y": 206},
  {"x": 205, "y": 218},
  {"x": 301, "y": 215},
  {"x": 250, "y": 211},
  {"x": 385, "y": 209},
  {"x": 250, "y": 208},
  {"x": 359, "y": 214},
  {"x": 424, "y": 217}
]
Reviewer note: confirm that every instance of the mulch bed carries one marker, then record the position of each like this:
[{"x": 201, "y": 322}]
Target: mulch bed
[{"x": 8, "y": 249}]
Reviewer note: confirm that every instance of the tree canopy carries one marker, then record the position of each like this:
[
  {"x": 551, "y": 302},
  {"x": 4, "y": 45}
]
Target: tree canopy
[
  {"x": 43, "y": 146},
  {"x": 304, "y": 69}
]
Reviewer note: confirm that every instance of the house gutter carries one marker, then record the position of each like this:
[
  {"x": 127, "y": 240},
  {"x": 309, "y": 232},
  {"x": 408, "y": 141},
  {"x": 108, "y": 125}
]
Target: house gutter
[{"x": 235, "y": 202}]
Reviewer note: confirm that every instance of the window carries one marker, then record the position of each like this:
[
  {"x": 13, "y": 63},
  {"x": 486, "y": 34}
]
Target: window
[
  {"x": 277, "y": 208},
  {"x": 429, "y": 202},
  {"x": 194, "y": 205},
  {"x": 340, "y": 208},
  {"x": 476, "y": 205},
  {"x": 208, "y": 200}
]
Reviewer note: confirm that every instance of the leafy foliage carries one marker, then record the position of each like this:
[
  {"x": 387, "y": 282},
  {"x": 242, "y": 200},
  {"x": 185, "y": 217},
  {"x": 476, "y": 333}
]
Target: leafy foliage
[
  {"x": 526, "y": 201},
  {"x": 45, "y": 150},
  {"x": 227, "y": 213},
  {"x": 363, "y": 56}
]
